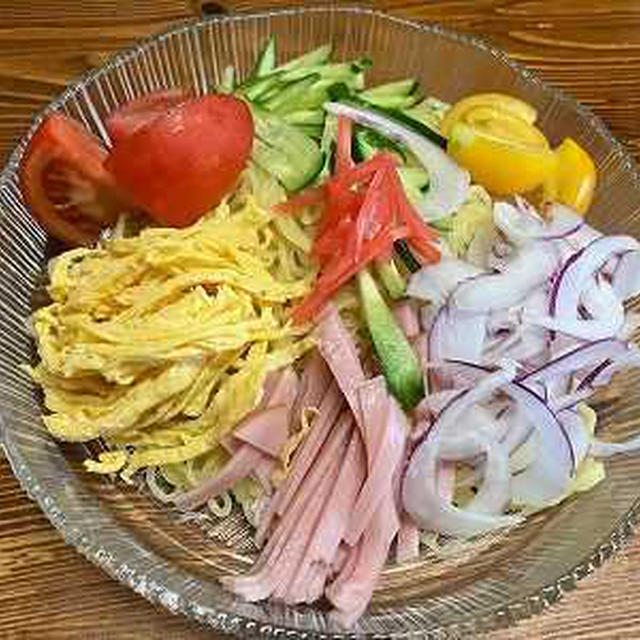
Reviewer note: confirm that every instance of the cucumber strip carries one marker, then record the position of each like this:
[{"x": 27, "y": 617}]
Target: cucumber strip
[
  {"x": 328, "y": 145},
  {"x": 415, "y": 182},
  {"x": 394, "y": 102},
  {"x": 391, "y": 278},
  {"x": 305, "y": 116},
  {"x": 311, "y": 98},
  {"x": 257, "y": 89},
  {"x": 406, "y": 255},
  {"x": 311, "y": 130},
  {"x": 443, "y": 225},
  {"x": 398, "y": 361},
  {"x": 285, "y": 152},
  {"x": 342, "y": 93},
  {"x": 290, "y": 97},
  {"x": 266, "y": 61},
  {"x": 337, "y": 71},
  {"x": 398, "y": 88},
  {"x": 367, "y": 142},
  {"x": 228, "y": 81},
  {"x": 315, "y": 57},
  {"x": 414, "y": 177}
]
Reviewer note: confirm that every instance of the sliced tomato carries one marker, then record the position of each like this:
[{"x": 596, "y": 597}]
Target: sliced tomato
[
  {"x": 140, "y": 112},
  {"x": 65, "y": 184},
  {"x": 184, "y": 162}
]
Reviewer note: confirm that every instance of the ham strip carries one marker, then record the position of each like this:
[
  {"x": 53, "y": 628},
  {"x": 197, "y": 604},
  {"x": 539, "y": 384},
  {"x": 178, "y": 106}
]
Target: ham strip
[
  {"x": 329, "y": 531},
  {"x": 351, "y": 597},
  {"x": 238, "y": 467},
  {"x": 262, "y": 473},
  {"x": 386, "y": 435},
  {"x": 294, "y": 552},
  {"x": 406, "y": 316},
  {"x": 314, "y": 382},
  {"x": 338, "y": 434},
  {"x": 340, "y": 353},
  {"x": 408, "y": 542},
  {"x": 335, "y": 519},
  {"x": 331, "y": 405},
  {"x": 312, "y": 495},
  {"x": 266, "y": 430},
  {"x": 351, "y": 591},
  {"x": 255, "y": 443}
]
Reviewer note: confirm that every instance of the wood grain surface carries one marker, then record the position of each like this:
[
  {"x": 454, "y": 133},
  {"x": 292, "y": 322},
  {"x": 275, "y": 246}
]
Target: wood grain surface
[{"x": 590, "y": 48}]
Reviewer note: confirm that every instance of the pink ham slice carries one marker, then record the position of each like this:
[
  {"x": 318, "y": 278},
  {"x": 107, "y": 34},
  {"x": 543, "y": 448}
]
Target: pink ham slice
[
  {"x": 386, "y": 434},
  {"x": 246, "y": 457},
  {"x": 331, "y": 405},
  {"x": 339, "y": 351},
  {"x": 351, "y": 596},
  {"x": 314, "y": 382},
  {"x": 408, "y": 542},
  {"x": 255, "y": 443},
  {"x": 351, "y": 591},
  {"x": 266, "y": 430},
  {"x": 406, "y": 316},
  {"x": 283, "y": 553},
  {"x": 325, "y": 541}
]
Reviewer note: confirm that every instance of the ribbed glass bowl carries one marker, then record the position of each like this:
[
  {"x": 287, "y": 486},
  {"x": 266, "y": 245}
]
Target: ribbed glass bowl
[{"x": 469, "y": 587}]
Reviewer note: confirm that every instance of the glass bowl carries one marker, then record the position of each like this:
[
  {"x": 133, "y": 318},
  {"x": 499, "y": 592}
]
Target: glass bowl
[{"x": 174, "y": 561}]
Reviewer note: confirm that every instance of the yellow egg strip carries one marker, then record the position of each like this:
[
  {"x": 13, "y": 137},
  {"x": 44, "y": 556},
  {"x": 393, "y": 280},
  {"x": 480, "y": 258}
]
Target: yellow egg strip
[{"x": 161, "y": 342}]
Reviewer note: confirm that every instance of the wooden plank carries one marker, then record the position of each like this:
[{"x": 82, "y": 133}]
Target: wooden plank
[{"x": 592, "y": 50}]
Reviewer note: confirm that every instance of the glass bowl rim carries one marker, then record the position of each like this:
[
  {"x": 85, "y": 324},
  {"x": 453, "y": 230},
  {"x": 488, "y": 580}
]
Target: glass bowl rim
[{"x": 89, "y": 544}]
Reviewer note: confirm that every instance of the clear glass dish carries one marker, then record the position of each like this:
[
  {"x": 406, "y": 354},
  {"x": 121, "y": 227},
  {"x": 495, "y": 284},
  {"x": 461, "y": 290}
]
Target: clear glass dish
[{"x": 470, "y": 588}]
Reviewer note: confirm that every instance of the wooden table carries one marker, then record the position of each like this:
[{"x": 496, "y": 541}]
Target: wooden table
[{"x": 591, "y": 48}]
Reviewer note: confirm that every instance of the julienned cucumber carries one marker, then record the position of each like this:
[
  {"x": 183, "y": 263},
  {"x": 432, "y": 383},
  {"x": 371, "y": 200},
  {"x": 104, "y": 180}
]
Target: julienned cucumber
[
  {"x": 342, "y": 93},
  {"x": 397, "y": 88},
  {"x": 266, "y": 61},
  {"x": 284, "y": 151},
  {"x": 317, "y": 56},
  {"x": 398, "y": 361},
  {"x": 289, "y": 97},
  {"x": 367, "y": 142},
  {"x": 393, "y": 281}
]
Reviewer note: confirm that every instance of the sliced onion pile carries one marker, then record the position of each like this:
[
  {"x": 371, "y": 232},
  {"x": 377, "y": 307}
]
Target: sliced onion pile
[{"x": 510, "y": 354}]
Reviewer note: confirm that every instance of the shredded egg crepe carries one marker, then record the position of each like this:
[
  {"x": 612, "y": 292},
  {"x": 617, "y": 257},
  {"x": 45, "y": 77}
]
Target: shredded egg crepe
[{"x": 160, "y": 343}]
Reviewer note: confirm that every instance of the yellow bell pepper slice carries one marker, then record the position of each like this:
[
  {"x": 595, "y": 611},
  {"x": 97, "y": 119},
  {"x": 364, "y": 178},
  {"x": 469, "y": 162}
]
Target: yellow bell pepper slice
[
  {"x": 493, "y": 136},
  {"x": 504, "y": 103},
  {"x": 573, "y": 181},
  {"x": 502, "y": 160}
]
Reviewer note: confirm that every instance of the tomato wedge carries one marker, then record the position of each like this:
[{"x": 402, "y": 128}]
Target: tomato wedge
[
  {"x": 140, "y": 112},
  {"x": 64, "y": 182},
  {"x": 181, "y": 164}
]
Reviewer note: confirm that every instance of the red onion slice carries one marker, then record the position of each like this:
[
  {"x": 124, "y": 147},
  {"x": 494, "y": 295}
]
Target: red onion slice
[
  {"x": 530, "y": 269},
  {"x": 435, "y": 283},
  {"x": 578, "y": 270},
  {"x": 548, "y": 476},
  {"x": 420, "y": 494},
  {"x": 455, "y": 335},
  {"x": 494, "y": 493},
  {"x": 522, "y": 224},
  {"x": 576, "y": 359},
  {"x": 626, "y": 276},
  {"x": 448, "y": 183}
]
